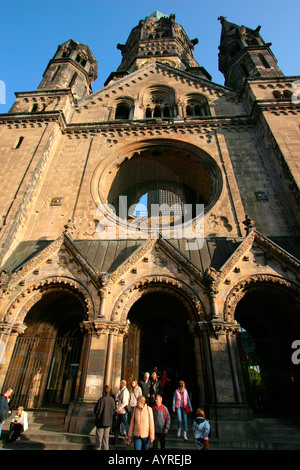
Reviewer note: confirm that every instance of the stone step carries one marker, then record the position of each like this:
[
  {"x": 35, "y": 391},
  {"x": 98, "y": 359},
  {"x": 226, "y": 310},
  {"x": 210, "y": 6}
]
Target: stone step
[{"x": 46, "y": 432}]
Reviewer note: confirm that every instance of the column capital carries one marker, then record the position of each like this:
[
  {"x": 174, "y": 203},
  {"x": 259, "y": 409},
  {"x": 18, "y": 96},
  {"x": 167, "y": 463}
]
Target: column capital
[{"x": 98, "y": 327}]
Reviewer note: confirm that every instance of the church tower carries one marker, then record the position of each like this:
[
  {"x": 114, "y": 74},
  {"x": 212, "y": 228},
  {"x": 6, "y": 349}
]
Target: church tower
[
  {"x": 96, "y": 287},
  {"x": 244, "y": 54},
  {"x": 159, "y": 38},
  {"x": 73, "y": 66}
]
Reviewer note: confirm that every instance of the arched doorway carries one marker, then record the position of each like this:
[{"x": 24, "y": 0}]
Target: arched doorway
[
  {"x": 160, "y": 333},
  {"x": 45, "y": 362},
  {"x": 269, "y": 316}
]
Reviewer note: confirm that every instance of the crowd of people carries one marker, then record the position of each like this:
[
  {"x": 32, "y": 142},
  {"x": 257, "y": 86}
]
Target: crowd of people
[
  {"x": 137, "y": 413},
  {"x": 142, "y": 414}
]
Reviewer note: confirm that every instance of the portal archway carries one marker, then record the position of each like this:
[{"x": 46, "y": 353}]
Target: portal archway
[
  {"x": 159, "y": 336},
  {"x": 45, "y": 362},
  {"x": 269, "y": 315}
]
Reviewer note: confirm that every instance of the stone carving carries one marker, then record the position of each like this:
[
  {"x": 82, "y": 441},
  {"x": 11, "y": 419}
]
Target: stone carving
[
  {"x": 240, "y": 289},
  {"x": 164, "y": 284}
]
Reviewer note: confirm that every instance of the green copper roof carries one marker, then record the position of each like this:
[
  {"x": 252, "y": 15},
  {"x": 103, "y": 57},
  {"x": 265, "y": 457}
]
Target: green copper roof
[{"x": 158, "y": 15}]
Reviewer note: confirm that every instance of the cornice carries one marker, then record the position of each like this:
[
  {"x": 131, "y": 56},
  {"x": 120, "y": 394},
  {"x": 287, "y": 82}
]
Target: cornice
[{"x": 37, "y": 118}]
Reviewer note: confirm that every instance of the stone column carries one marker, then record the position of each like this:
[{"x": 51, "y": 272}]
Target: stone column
[
  {"x": 231, "y": 330},
  {"x": 232, "y": 415},
  {"x": 8, "y": 335},
  {"x": 199, "y": 358},
  {"x": 208, "y": 376}
]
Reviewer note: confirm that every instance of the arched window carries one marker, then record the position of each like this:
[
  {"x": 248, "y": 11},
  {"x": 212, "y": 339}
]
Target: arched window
[
  {"x": 159, "y": 102},
  {"x": 157, "y": 111},
  {"x": 122, "y": 111},
  {"x": 197, "y": 105}
]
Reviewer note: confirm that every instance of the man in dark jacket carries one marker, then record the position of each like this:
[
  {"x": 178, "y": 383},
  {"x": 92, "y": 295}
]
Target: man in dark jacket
[
  {"x": 4, "y": 410},
  {"x": 162, "y": 421},
  {"x": 145, "y": 386},
  {"x": 155, "y": 388},
  {"x": 104, "y": 411}
]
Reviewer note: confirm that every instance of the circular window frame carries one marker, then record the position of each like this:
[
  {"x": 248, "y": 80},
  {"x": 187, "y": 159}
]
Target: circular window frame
[{"x": 101, "y": 184}]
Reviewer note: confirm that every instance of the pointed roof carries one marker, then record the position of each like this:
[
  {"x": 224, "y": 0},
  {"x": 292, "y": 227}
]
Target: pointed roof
[{"x": 158, "y": 15}]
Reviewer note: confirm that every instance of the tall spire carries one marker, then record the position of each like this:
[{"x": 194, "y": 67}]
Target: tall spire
[{"x": 244, "y": 55}]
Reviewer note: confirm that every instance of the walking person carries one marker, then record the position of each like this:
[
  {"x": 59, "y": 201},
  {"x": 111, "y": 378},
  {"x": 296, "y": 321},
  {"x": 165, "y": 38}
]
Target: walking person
[
  {"x": 162, "y": 422},
  {"x": 104, "y": 411},
  {"x": 201, "y": 428},
  {"x": 134, "y": 393},
  {"x": 18, "y": 425},
  {"x": 141, "y": 429},
  {"x": 122, "y": 402},
  {"x": 182, "y": 405},
  {"x": 4, "y": 410},
  {"x": 155, "y": 388},
  {"x": 145, "y": 386}
]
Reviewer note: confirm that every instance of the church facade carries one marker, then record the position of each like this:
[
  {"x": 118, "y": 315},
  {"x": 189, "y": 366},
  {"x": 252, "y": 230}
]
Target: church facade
[{"x": 154, "y": 222}]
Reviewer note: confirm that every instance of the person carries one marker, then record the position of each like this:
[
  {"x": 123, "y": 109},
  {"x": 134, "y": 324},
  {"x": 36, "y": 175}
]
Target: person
[
  {"x": 201, "y": 428},
  {"x": 134, "y": 393},
  {"x": 162, "y": 422},
  {"x": 180, "y": 400},
  {"x": 141, "y": 429},
  {"x": 122, "y": 402},
  {"x": 163, "y": 378},
  {"x": 18, "y": 425},
  {"x": 155, "y": 369},
  {"x": 104, "y": 411},
  {"x": 145, "y": 386},
  {"x": 4, "y": 410},
  {"x": 155, "y": 388}
]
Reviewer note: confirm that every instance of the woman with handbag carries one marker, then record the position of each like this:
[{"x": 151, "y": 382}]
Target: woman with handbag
[{"x": 182, "y": 405}]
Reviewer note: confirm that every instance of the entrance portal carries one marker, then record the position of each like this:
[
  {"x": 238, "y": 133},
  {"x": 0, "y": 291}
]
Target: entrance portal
[
  {"x": 44, "y": 366},
  {"x": 270, "y": 322},
  {"x": 162, "y": 339}
]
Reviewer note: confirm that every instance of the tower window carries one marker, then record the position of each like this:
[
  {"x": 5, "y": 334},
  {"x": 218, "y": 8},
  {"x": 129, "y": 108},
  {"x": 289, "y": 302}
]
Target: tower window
[
  {"x": 20, "y": 140},
  {"x": 73, "y": 80},
  {"x": 55, "y": 73},
  {"x": 264, "y": 61}
]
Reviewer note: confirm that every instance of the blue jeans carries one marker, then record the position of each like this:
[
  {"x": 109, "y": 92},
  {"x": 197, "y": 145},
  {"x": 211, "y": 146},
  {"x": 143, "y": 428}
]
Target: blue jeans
[
  {"x": 141, "y": 443},
  {"x": 181, "y": 416}
]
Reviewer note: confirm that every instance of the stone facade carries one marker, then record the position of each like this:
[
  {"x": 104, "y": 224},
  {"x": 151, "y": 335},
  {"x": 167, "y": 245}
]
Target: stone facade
[{"x": 67, "y": 155}]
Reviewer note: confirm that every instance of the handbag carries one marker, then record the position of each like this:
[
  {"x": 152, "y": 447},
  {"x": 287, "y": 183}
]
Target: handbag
[{"x": 187, "y": 409}]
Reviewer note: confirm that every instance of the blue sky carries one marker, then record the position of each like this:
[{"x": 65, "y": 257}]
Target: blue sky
[{"x": 31, "y": 31}]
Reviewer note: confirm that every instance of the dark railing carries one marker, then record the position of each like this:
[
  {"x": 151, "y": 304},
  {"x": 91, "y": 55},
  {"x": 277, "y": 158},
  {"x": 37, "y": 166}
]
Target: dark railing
[
  {"x": 43, "y": 371},
  {"x": 272, "y": 381}
]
